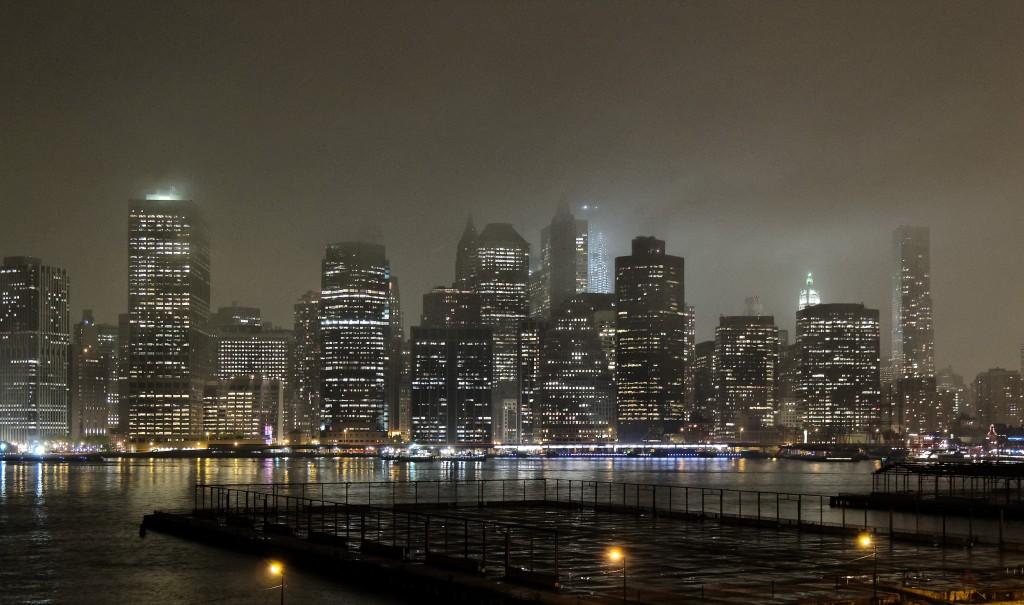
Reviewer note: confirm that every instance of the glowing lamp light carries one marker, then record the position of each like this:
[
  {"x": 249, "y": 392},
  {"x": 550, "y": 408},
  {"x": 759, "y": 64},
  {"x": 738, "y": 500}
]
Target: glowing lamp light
[
  {"x": 275, "y": 568},
  {"x": 864, "y": 540},
  {"x": 615, "y": 555}
]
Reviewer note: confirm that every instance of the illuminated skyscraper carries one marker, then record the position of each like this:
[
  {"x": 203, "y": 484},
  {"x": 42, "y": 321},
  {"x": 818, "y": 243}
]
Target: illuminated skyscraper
[
  {"x": 394, "y": 377},
  {"x": 691, "y": 340},
  {"x": 650, "y": 342},
  {"x": 94, "y": 390},
  {"x": 913, "y": 333},
  {"x": 577, "y": 390},
  {"x": 808, "y": 295},
  {"x": 599, "y": 265},
  {"x": 169, "y": 312},
  {"x": 244, "y": 408},
  {"x": 354, "y": 327},
  {"x": 500, "y": 278},
  {"x": 746, "y": 355},
  {"x": 305, "y": 369},
  {"x": 34, "y": 345},
  {"x": 451, "y": 371},
  {"x": 563, "y": 263},
  {"x": 838, "y": 345},
  {"x": 705, "y": 411},
  {"x": 999, "y": 398}
]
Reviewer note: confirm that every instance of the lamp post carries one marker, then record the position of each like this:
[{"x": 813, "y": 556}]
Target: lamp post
[
  {"x": 866, "y": 541},
  {"x": 277, "y": 569},
  {"x": 615, "y": 555}
]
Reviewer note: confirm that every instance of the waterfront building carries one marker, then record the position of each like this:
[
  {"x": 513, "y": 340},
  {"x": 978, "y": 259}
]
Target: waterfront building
[
  {"x": 304, "y": 370},
  {"x": 650, "y": 342},
  {"x": 691, "y": 340},
  {"x": 500, "y": 277},
  {"x": 244, "y": 408},
  {"x": 746, "y": 355},
  {"x": 395, "y": 340},
  {"x": 94, "y": 385},
  {"x": 999, "y": 398},
  {"x": 705, "y": 412},
  {"x": 808, "y": 295},
  {"x": 354, "y": 328},
  {"x": 951, "y": 395},
  {"x": 531, "y": 333},
  {"x": 452, "y": 371},
  {"x": 35, "y": 340},
  {"x": 838, "y": 345},
  {"x": 913, "y": 334},
  {"x": 169, "y": 312},
  {"x": 577, "y": 391}
]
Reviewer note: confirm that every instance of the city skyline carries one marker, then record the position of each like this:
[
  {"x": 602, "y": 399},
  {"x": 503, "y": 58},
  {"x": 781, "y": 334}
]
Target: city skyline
[{"x": 508, "y": 118}]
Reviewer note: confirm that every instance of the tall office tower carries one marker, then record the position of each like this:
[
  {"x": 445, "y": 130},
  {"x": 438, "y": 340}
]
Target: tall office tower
[
  {"x": 563, "y": 263},
  {"x": 999, "y": 398},
  {"x": 500, "y": 277},
  {"x": 746, "y": 355},
  {"x": 951, "y": 395},
  {"x": 808, "y": 295},
  {"x": 839, "y": 368},
  {"x": 244, "y": 408},
  {"x": 599, "y": 266},
  {"x": 354, "y": 327},
  {"x": 305, "y": 370},
  {"x": 35, "y": 340},
  {"x": 577, "y": 398},
  {"x": 263, "y": 354},
  {"x": 465, "y": 257},
  {"x": 236, "y": 320},
  {"x": 531, "y": 332},
  {"x": 169, "y": 312},
  {"x": 451, "y": 371},
  {"x": 790, "y": 409},
  {"x": 393, "y": 372},
  {"x": 93, "y": 378},
  {"x": 705, "y": 411},
  {"x": 124, "y": 331},
  {"x": 405, "y": 392},
  {"x": 913, "y": 333},
  {"x": 650, "y": 342},
  {"x": 691, "y": 340}
]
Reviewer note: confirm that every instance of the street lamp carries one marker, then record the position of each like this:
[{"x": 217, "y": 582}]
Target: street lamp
[
  {"x": 277, "y": 569},
  {"x": 866, "y": 541},
  {"x": 616, "y": 554}
]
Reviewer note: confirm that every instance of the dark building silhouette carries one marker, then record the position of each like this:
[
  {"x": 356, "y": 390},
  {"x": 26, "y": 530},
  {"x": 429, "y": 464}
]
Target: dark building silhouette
[
  {"x": 452, "y": 371},
  {"x": 913, "y": 334},
  {"x": 170, "y": 356},
  {"x": 35, "y": 341},
  {"x": 465, "y": 257},
  {"x": 577, "y": 390},
  {"x": 304, "y": 371},
  {"x": 395, "y": 346},
  {"x": 746, "y": 355},
  {"x": 650, "y": 342},
  {"x": 354, "y": 328},
  {"x": 562, "y": 270},
  {"x": 999, "y": 398},
  {"x": 705, "y": 412},
  {"x": 839, "y": 369}
]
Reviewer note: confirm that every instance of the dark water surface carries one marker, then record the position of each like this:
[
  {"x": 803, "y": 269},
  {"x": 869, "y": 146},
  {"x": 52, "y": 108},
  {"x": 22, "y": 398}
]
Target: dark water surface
[{"x": 69, "y": 532}]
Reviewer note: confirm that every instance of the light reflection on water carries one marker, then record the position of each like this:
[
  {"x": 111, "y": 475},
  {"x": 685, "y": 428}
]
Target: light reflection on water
[{"x": 69, "y": 532}]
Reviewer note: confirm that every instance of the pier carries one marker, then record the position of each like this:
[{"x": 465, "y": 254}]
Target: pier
[{"x": 546, "y": 540}]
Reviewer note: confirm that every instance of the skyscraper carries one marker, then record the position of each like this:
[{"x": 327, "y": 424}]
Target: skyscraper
[
  {"x": 913, "y": 333},
  {"x": 563, "y": 263},
  {"x": 705, "y": 411},
  {"x": 838, "y": 344},
  {"x": 808, "y": 295},
  {"x": 500, "y": 278},
  {"x": 34, "y": 344},
  {"x": 94, "y": 389},
  {"x": 746, "y": 355},
  {"x": 650, "y": 341},
  {"x": 169, "y": 313},
  {"x": 465, "y": 256},
  {"x": 599, "y": 266},
  {"x": 305, "y": 368},
  {"x": 395, "y": 346},
  {"x": 245, "y": 349},
  {"x": 999, "y": 398},
  {"x": 577, "y": 398},
  {"x": 691, "y": 341},
  {"x": 451, "y": 371},
  {"x": 354, "y": 327}
]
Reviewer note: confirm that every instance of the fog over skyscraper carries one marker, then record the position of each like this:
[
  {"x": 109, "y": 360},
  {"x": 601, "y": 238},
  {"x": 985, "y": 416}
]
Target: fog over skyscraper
[
  {"x": 599, "y": 264},
  {"x": 169, "y": 312},
  {"x": 913, "y": 333},
  {"x": 808, "y": 295},
  {"x": 34, "y": 343},
  {"x": 562, "y": 268}
]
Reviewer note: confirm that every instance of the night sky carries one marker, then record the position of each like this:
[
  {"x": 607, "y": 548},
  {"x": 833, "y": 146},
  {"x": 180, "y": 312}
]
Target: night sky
[{"x": 762, "y": 140}]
